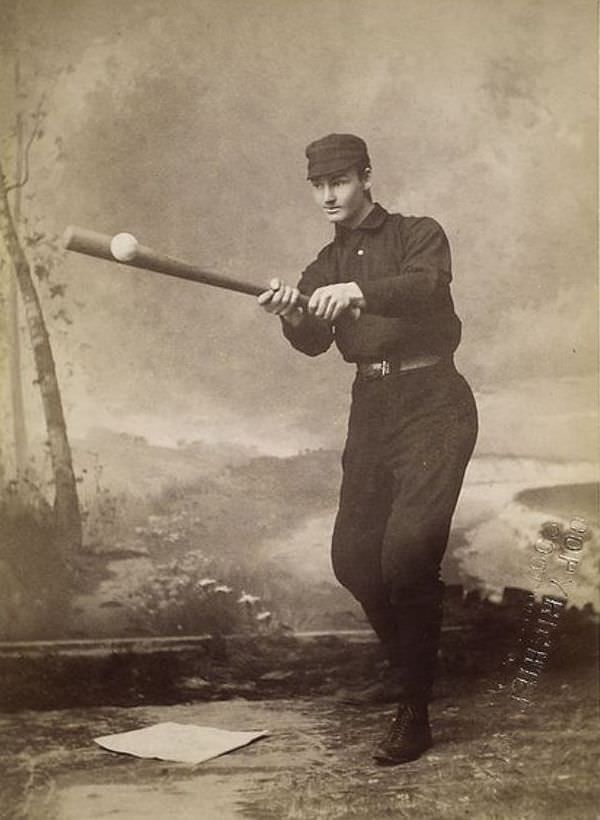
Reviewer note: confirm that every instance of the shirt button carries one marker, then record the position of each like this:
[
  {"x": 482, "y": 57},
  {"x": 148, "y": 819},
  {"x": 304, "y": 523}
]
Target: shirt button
[{"x": 360, "y": 252}]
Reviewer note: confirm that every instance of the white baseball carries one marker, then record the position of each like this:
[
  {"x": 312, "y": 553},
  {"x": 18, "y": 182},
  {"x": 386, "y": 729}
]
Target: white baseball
[{"x": 124, "y": 247}]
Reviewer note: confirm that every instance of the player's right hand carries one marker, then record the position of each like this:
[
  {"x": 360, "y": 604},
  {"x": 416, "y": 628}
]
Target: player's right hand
[{"x": 282, "y": 300}]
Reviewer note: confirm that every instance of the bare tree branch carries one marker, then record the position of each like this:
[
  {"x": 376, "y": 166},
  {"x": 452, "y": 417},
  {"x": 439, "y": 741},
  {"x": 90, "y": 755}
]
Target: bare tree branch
[{"x": 34, "y": 132}]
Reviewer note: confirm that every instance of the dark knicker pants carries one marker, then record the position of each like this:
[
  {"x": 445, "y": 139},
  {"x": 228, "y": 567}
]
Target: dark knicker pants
[{"x": 410, "y": 438}]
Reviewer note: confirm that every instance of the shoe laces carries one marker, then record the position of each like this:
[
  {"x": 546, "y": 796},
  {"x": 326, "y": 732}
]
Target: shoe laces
[{"x": 405, "y": 715}]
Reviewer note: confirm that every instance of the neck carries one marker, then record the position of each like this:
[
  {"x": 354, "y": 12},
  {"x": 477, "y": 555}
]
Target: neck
[{"x": 361, "y": 215}]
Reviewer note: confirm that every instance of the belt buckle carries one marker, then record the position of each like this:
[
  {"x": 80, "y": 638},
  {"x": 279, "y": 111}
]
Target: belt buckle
[{"x": 377, "y": 370}]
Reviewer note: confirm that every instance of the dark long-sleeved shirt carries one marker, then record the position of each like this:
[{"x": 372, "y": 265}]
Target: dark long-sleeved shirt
[{"x": 402, "y": 266}]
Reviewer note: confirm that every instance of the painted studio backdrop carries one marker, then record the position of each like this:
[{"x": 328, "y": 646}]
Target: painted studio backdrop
[{"x": 205, "y": 450}]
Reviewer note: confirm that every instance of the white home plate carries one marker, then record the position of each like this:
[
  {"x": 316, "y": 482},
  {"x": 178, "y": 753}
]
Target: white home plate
[{"x": 181, "y": 742}]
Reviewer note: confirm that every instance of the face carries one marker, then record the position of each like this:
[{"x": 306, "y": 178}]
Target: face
[{"x": 343, "y": 197}]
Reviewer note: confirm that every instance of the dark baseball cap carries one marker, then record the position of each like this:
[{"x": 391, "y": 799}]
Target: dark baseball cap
[{"x": 335, "y": 153}]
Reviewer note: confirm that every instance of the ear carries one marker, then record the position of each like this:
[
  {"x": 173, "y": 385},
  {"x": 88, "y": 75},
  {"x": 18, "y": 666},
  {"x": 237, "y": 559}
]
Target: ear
[{"x": 366, "y": 179}]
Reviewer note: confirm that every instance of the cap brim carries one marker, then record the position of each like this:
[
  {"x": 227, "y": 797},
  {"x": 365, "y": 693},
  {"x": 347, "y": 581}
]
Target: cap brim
[{"x": 327, "y": 169}]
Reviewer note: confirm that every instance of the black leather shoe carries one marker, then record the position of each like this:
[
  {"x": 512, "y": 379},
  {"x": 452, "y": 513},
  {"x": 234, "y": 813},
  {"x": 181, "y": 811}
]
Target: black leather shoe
[{"x": 408, "y": 736}]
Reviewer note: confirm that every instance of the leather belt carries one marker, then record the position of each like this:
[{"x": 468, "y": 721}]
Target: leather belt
[{"x": 385, "y": 367}]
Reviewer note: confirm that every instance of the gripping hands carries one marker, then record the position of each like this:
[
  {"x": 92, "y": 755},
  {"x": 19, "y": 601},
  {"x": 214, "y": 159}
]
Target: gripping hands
[
  {"x": 327, "y": 302},
  {"x": 282, "y": 300}
]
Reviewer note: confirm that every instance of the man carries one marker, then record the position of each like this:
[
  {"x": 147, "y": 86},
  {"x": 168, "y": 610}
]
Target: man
[{"x": 381, "y": 291}]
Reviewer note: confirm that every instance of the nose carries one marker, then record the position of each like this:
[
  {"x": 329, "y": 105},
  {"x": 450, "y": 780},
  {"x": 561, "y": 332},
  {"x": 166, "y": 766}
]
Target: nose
[{"x": 328, "y": 194}]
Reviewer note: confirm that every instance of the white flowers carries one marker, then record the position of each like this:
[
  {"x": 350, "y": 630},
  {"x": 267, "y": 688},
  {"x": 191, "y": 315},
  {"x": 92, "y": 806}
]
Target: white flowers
[
  {"x": 247, "y": 598},
  {"x": 184, "y": 596}
]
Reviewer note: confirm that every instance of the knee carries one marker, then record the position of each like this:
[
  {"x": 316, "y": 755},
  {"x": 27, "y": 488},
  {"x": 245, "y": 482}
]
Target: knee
[
  {"x": 344, "y": 564},
  {"x": 357, "y": 570}
]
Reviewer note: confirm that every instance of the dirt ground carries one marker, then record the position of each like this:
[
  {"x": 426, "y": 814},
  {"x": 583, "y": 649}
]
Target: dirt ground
[{"x": 491, "y": 760}]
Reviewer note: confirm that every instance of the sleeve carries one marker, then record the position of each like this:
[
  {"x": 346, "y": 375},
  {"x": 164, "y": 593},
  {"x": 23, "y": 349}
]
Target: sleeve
[
  {"x": 312, "y": 336},
  {"x": 420, "y": 283}
]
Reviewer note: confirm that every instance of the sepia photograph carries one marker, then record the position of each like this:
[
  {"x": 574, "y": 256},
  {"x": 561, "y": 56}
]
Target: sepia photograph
[{"x": 299, "y": 410}]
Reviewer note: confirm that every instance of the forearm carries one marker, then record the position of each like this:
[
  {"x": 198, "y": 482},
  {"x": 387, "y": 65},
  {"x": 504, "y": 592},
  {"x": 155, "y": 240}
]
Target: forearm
[
  {"x": 309, "y": 335},
  {"x": 406, "y": 295}
]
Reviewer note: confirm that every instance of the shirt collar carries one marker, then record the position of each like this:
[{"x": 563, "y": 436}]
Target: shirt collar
[{"x": 372, "y": 222}]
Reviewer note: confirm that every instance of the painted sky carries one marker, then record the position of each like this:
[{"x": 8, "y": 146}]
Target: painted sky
[{"x": 185, "y": 123}]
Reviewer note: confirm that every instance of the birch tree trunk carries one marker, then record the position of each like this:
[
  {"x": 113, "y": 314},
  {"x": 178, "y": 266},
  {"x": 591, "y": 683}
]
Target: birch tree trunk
[
  {"x": 16, "y": 380},
  {"x": 66, "y": 504}
]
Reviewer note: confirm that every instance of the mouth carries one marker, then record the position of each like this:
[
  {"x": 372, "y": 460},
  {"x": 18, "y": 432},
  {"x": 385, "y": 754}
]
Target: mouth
[{"x": 331, "y": 210}]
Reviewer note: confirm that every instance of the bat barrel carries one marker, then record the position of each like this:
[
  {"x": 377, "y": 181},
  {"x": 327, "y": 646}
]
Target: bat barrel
[
  {"x": 96, "y": 244},
  {"x": 91, "y": 243}
]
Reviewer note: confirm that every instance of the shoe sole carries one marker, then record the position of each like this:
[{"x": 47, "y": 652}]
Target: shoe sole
[{"x": 385, "y": 759}]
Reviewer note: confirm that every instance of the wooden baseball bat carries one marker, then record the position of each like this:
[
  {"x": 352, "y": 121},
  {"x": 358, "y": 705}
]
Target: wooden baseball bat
[{"x": 96, "y": 244}]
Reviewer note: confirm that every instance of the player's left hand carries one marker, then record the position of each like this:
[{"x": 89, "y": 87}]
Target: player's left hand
[{"x": 330, "y": 301}]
